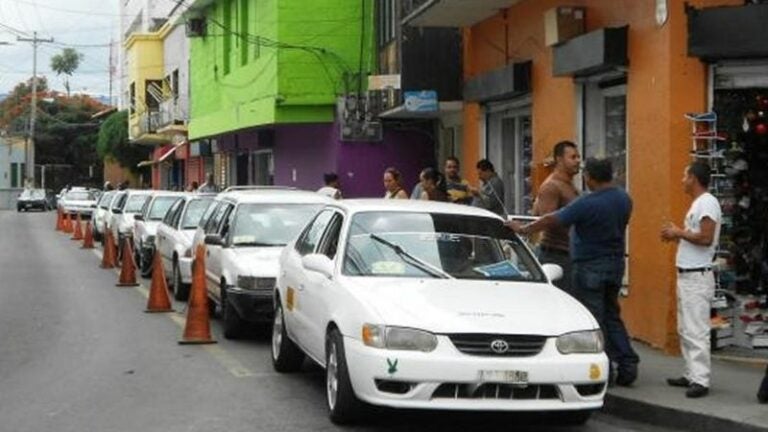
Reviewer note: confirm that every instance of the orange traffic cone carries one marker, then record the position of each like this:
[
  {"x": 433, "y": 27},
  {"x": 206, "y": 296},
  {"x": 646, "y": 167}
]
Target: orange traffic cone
[
  {"x": 108, "y": 258},
  {"x": 158, "y": 301},
  {"x": 127, "y": 267},
  {"x": 78, "y": 231},
  {"x": 88, "y": 239},
  {"x": 68, "y": 228},
  {"x": 197, "y": 330},
  {"x": 59, "y": 225}
]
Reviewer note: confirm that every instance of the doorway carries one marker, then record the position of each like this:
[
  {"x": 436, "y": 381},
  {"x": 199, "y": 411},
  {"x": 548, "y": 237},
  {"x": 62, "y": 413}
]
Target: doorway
[{"x": 510, "y": 150}]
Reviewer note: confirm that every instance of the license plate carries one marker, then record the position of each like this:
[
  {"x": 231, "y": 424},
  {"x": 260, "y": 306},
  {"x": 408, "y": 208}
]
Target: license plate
[{"x": 504, "y": 376}]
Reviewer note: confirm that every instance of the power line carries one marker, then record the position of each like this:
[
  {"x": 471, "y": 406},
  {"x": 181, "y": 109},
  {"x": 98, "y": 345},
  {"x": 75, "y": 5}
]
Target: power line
[{"x": 71, "y": 11}]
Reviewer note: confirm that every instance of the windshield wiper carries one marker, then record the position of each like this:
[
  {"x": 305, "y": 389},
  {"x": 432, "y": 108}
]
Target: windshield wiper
[
  {"x": 255, "y": 243},
  {"x": 417, "y": 262}
]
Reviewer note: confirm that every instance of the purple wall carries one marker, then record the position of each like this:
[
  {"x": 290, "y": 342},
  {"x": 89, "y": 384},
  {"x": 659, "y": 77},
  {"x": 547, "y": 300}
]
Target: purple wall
[{"x": 308, "y": 151}]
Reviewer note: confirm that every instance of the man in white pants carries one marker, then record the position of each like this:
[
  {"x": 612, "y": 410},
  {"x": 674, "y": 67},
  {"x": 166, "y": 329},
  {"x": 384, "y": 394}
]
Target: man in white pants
[{"x": 696, "y": 247}]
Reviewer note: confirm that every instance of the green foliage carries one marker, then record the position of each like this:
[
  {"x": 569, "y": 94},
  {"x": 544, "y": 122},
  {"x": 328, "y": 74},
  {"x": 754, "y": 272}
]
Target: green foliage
[
  {"x": 113, "y": 142},
  {"x": 66, "y": 63}
]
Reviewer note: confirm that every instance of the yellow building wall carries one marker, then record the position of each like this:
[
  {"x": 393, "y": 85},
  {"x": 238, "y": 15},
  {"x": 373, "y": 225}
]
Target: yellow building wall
[{"x": 145, "y": 62}]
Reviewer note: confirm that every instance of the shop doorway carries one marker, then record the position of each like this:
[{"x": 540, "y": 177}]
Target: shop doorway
[
  {"x": 509, "y": 146},
  {"x": 605, "y": 125},
  {"x": 264, "y": 168}
]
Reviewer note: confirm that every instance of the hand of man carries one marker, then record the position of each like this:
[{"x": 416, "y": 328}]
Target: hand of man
[
  {"x": 515, "y": 226},
  {"x": 474, "y": 191},
  {"x": 670, "y": 232}
]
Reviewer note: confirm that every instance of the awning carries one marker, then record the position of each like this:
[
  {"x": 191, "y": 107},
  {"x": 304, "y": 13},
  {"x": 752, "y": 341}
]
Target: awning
[
  {"x": 728, "y": 32},
  {"x": 509, "y": 81},
  {"x": 162, "y": 157},
  {"x": 401, "y": 112},
  {"x": 595, "y": 52},
  {"x": 453, "y": 13}
]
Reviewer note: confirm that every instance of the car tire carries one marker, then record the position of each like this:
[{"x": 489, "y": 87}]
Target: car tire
[
  {"x": 343, "y": 405},
  {"x": 180, "y": 289},
  {"x": 286, "y": 356},
  {"x": 145, "y": 264},
  {"x": 573, "y": 418},
  {"x": 233, "y": 324}
]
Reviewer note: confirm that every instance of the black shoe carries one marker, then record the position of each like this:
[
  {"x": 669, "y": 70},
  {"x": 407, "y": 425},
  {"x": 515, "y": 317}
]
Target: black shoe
[
  {"x": 762, "y": 393},
  {"x": 679, "y": 382},
  {"x": 696, "y": 391},
  {"x": 626, "y": 375}
]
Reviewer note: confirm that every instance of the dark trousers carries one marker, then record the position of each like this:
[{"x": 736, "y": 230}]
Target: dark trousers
[
  {"x": 762, "y": 392},
  {"x": 596, "y": 284},
  {"x": 561, "y": 258}
]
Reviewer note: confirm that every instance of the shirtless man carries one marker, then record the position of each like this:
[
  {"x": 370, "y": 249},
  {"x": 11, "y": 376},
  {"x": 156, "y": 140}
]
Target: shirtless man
[{"x": 556, "y": 192}]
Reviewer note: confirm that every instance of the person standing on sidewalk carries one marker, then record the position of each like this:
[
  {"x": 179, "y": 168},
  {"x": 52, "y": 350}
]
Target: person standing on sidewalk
[
  {"x": 393, "y": 184},
  {"x": 490, "y": 195},
  {"x": 457, "y": 187},
  {"x": 762, "y": 392},
  {"x": 556, "y": 192},
  {"x": 696, "y": 246},
  {"x": 332, "y": 186},
  {"x": 599, "y": 220}
]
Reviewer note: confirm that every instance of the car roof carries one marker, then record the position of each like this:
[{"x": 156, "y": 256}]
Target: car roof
[
  {"x": 275, "y": 196},
  {"x": 406, "y": 205}
]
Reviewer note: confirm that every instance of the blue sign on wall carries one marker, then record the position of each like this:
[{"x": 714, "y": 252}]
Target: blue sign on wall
[{"x": 421, "y": 101}]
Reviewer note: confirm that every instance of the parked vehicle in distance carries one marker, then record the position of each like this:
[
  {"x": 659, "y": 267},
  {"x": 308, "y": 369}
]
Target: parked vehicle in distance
[
  {"x": 244, "y": 238},
  {"x": 100, "y": 214},
  {"x": 174, "y": 240},
  {"x": 426, "y": 305},
  {"x": 127, "y": 206},
  {"x": 80, "y": 201},
  {"x": 145, "y": 227},
  {"x": 31, "y": 199}
]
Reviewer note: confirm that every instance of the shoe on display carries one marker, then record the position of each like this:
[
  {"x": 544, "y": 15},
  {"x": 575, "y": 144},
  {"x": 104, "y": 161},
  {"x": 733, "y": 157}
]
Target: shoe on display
[
  {"x": 696, "y": 391},
  {"x": 679, "y": 382}
]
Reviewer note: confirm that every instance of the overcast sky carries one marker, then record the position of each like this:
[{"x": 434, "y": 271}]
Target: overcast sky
[{"x": 75, "y": 23}]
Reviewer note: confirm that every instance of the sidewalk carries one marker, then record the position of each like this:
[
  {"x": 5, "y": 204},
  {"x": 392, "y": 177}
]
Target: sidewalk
[{"x": 731, "y": 405}]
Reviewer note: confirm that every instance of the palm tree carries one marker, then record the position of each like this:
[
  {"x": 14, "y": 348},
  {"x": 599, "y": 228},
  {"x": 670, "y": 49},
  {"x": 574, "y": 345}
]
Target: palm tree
[{"x": 66, "y": 63}]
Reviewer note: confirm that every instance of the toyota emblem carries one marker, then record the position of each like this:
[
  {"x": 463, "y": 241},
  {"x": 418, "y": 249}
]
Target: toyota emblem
[{"x": 499, "y": 346}]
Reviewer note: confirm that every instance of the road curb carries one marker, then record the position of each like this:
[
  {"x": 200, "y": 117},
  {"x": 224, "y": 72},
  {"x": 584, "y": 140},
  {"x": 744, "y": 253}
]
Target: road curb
[{"x": 644, "y": 412}]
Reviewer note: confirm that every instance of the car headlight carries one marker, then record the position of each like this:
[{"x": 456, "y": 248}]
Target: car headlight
[
  {"x": 255, "y": 283},
  {"x": 398, "y": 338},
  {"x": 581, "y": 342}
]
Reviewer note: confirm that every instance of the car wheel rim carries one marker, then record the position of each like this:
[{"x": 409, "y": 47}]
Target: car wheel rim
[
  {"x": 277, "y": 333},
  {"x": 332, "y": 379}
]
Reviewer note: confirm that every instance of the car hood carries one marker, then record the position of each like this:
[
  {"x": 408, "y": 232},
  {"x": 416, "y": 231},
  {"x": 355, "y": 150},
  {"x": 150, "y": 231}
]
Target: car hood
[
  {"x": 78, "y": 203},
  {"x": 257, "y": 261},
  {"x": 465, "y": 306}
]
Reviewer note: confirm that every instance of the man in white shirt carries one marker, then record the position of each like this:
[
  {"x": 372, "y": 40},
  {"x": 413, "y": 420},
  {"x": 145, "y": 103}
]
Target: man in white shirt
[
  {"x": 697, "y": 243},
  {"x": 332, "y": 186}
]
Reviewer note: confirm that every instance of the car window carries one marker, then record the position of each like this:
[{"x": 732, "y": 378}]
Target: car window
[
  {"x": 160, "y": 207},
  {"x": 311, "y": 236},
  {"x": 330, "y": 242},
  {"x": 135, "y": 203},
  {"x": 105, "y": 200},
  {"x": 270, "y": 224},
  {"x": 119, "y": 202},
  {"x": 208, "y": 215},
  {"x": 172, "y": 212},
  {"x": 226, "y": 224},
  {"x": 80, "y": 196},
  {"x": 194, "y": 212},
  {"x": 212, "y": 227},
  {"x": 411, "y": 244}
]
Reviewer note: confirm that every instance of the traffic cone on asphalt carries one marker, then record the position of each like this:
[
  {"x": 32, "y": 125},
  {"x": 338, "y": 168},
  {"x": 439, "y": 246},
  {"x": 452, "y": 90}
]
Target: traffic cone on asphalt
[
  {"x": 108, "y": 257},
  {"x": 59, "y": 225},
  {"x": 88, "y": 238},
  {"x": 197, "y": 330},
  {"x": 68, "y": 229},
  {"x": 127, "y": 267},
  {"x": 78, "y": 231},
  {"x": 158, "y": 301}
]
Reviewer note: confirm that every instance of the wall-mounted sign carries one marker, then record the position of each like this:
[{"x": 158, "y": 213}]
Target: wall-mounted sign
[
  {"x": 421, "y": 101},
  {"x": 381, "y": 82}
]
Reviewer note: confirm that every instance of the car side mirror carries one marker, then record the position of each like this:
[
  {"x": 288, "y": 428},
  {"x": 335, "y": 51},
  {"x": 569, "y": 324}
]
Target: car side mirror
[
  {"x": 117, "y": 211},
  {"x": 94, "y": 205},
  {"x": 318, "y": 263},
  {"x": 553, "y": 272},
  {"x": 138, "y": 217},
  {"x": 214, "y": 240}
]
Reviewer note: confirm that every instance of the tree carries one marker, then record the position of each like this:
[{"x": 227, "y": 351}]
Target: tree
[
  {"x": 114, "y": 143},
  {"x": 66, "y": 63}
]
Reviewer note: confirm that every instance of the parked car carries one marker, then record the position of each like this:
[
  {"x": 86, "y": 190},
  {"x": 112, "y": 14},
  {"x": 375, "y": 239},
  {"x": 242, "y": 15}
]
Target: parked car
[
  {"x": 123, "y": 211},
  {"x": 244, "y": 238},
  {"x": 80, "y": 201},
  {"x": 145, "y": 227},
  {"x": 101, "y": 212},
  {"x": 31, "y": 199},
  {"x": 425, "y": 305},
  {"x": 174, "y": 240}
]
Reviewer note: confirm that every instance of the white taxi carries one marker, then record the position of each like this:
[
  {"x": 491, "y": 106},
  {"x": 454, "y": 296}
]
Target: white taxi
[{"x": 414, "y": 304}]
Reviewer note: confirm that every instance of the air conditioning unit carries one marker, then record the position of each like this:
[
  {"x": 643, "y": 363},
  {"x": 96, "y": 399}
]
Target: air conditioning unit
[
  {"x": 362, "y": 131},
  {"x": 196, "y": 27}
]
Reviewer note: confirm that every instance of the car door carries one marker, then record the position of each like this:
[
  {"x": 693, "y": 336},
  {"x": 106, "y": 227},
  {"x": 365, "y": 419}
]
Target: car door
[
  {"x": 318, "y": 290},
  {"x": 165, "y": 236},
  {"x": 295, "y": 278},
  {"x": 213, "y": 252}
]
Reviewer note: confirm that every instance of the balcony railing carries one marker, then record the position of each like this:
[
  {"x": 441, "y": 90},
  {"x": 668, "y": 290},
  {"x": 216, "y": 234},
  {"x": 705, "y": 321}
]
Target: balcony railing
[
  {"x": 173, "y": 112},
  {"x": 149, "y": 123}
]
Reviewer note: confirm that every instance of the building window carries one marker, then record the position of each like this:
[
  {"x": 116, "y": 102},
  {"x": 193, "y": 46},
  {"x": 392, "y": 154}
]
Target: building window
[
  {"x": 14, "y": 175},
  {"x": 386, "y": 21},
  {"x": 153, "y": 94},
  {"x": 132, "y": 98},
  {"x": 229, "y": 33},
  {"x": 244, "y": 45},
  {"x": 510, "y": 149},
  {"x": 605, "y": 127},
  {"x": 264, "y": 167}
]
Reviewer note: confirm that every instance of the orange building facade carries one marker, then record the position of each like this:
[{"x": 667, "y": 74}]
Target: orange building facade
[{"x": 633, "y": 113}]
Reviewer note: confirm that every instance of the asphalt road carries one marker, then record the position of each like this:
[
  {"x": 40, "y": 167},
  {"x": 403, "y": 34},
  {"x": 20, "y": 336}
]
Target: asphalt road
[{"x": 78, "y": 354}]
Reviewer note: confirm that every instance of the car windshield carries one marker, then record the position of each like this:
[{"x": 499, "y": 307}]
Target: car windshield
[
  {"x": 80, "y": 196},
  {"x": 408, "y": 244},
  {"x": 160, "y": 207},
  {"x": 33, "y": 194},
  {"x": 195, "y": 210},
  {"x": 105, "y": 199},
  {"x": 270, "y": 224},
  {"x": 135, "y": 203}
]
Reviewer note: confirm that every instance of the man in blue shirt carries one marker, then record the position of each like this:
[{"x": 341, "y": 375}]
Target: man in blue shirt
[{"x": 599, "y": 221}]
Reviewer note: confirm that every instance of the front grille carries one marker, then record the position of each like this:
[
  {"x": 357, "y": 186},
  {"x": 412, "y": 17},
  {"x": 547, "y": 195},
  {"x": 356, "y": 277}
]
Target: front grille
[
  {"x": 392, "y": 386},
  {"x": 590, "y": 389},
  {"x": 481, "y": 344},
  {"x": 496, "y": 391}
]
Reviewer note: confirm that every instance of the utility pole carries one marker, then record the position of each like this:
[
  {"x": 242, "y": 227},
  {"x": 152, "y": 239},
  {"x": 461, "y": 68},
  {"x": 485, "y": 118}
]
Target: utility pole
[{"x": 30, "y": 150}]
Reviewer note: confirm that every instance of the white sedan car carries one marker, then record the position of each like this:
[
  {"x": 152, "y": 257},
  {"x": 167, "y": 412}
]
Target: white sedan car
[
  {"x": 145, "y": 227},
  {"x": 101, "y": 212},
  {"x": 413, "y": 304},
  {"x": 79, "y": 201}
]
